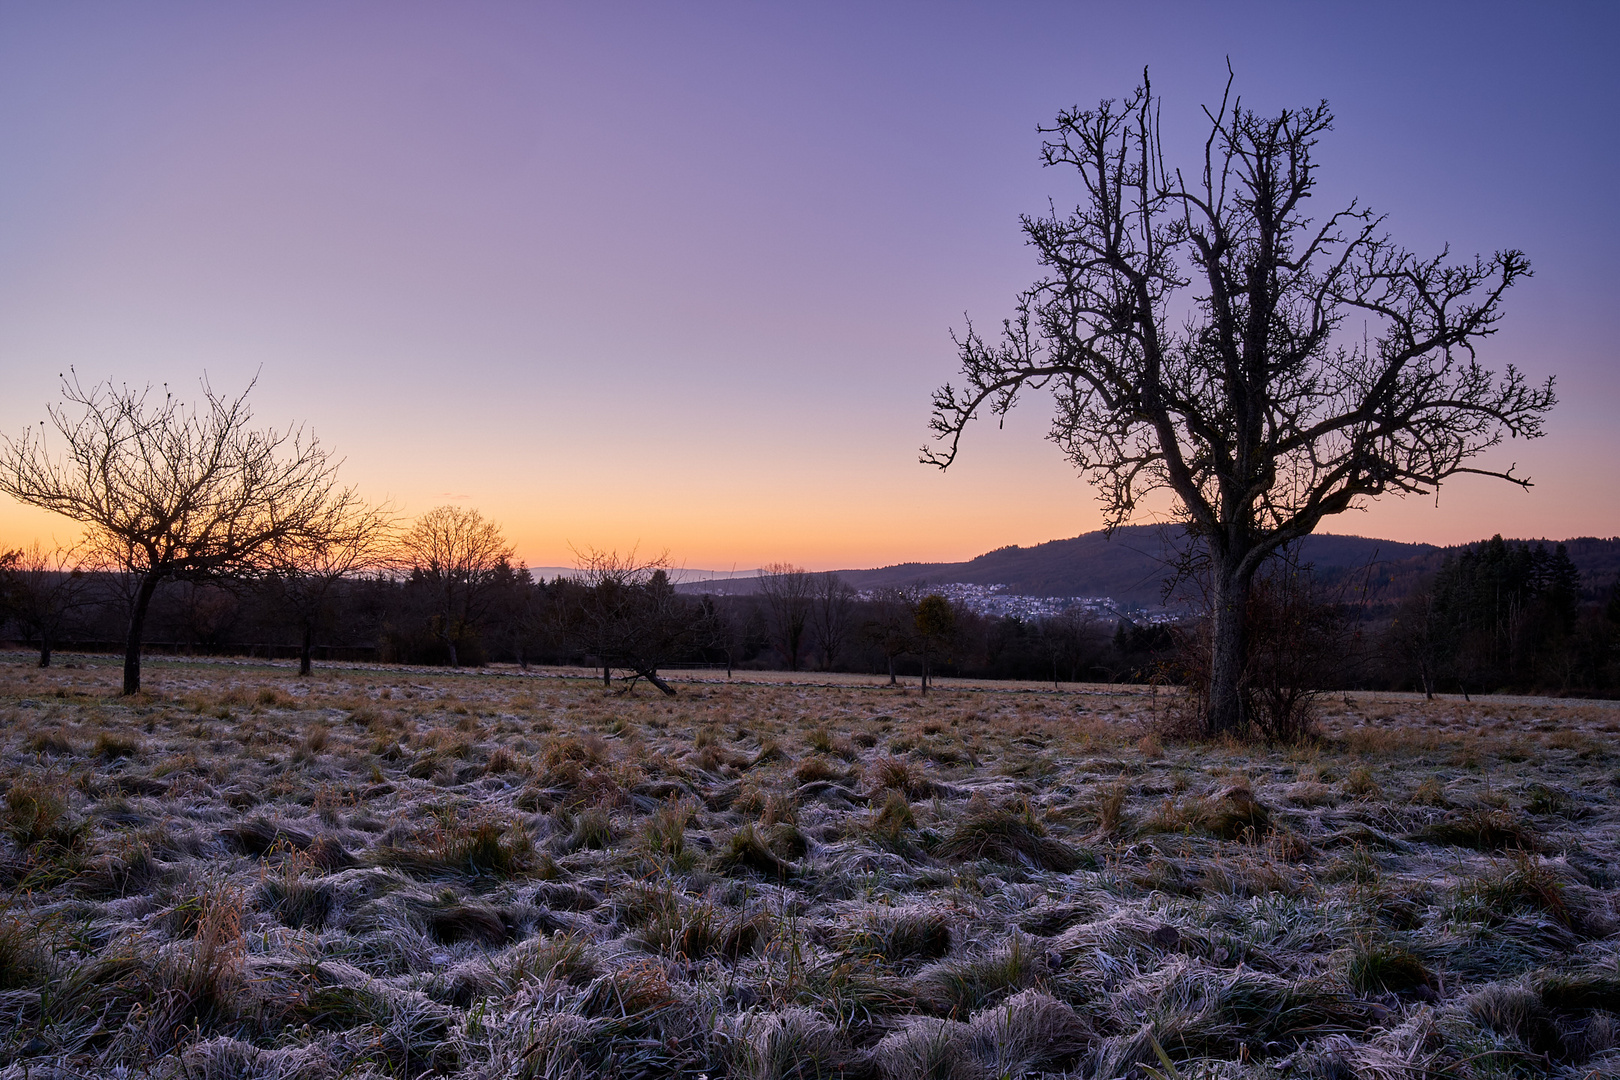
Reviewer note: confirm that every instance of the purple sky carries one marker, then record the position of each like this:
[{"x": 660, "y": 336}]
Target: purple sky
[{"x": 684, "y": 275}]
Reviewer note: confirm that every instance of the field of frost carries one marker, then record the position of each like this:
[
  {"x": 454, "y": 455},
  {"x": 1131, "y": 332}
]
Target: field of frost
[{"x": 407, "y": 873}]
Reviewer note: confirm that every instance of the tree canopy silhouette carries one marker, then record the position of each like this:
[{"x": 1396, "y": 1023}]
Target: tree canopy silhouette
[
  {"x": 1207, "y": 336},
  {"x": 171, "y": 491}
]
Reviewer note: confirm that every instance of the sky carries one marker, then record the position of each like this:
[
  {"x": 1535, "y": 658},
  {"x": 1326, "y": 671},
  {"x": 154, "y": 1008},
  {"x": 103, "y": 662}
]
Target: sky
[{"x": 682, "y": 277}]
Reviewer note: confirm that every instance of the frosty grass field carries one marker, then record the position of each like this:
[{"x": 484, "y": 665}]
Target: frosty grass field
[{"x": 407, "y": 872}]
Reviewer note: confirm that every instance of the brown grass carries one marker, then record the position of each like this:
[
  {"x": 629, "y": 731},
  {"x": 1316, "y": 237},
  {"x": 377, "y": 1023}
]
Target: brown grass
[{"x": 396, "y": 872}]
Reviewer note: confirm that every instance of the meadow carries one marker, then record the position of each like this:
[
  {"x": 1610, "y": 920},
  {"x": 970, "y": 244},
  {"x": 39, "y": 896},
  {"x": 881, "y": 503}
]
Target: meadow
[{"x": 392, "y": 872}]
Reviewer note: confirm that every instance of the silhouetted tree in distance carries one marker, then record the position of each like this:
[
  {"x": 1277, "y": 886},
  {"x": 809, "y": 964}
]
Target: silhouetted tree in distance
[
  {"x": 627, "y": 613},
  {"x": 935, "y": 621},
  {"x": 461, "y": 561},
  {"x": 1202, "y": 334},
  {"x": 832, "y": 605},
  {"x": 42, "y": 588},
  {"x": 788, "y": 592},
  {"x": 891, "y": 624},
  {"x": 350, "y": 538}
]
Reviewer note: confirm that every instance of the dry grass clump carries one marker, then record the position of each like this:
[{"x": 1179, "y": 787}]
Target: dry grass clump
[
  {"x": 1231, "y": 814},
  {"x": 38, "y": 814},
  {"x": 1377, "y": 968},
  {"x": 473, "y": 848},
  {"x": 898, "y": 934},
  {"x": 685, "y": 930},
  {"x": 960, "y": 985},
  {"x": 377, "y": 873},
  {"x": 1481, "y": 828},
  {"x": 890, "y": 773},
  {"x": 24, "y": 962},
  {"x": 1007, "y": 836},
  {"x": 797, "y": 1044},
  {"x": 745, "y": 851},
  {"x": 1030, "y": 1033}
]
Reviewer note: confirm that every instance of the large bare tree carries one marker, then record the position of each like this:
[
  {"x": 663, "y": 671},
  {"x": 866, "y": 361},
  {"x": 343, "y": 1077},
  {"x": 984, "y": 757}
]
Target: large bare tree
[
  {"x": 462, "y": 560},
  {"x": 1206, "y": 335},
  {"x": 167, "y": 490}
]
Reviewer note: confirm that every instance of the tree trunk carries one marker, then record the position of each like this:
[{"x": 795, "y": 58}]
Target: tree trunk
[
  {"x": 925, "y": 672},
  {"x": 137, "y": 624},
  {"x": 651, "y": 675},
  {"x": 455, "y": 661},
  {"x": 307, "y": 647},
  {"x": 44, "y": 649},
  {"x": 892, "y": 679},
  {"x": 607, "y": 674},
  {"x": 1229, "y": 652}
]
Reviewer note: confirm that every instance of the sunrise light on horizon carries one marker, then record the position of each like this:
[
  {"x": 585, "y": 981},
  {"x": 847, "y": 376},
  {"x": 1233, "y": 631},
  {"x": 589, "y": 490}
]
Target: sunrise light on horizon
[{"x": 683, "y": 278}]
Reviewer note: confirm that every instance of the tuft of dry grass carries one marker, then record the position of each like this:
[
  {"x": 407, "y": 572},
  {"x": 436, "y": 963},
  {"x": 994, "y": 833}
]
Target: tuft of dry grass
[{"x": 1007, "y": 836}]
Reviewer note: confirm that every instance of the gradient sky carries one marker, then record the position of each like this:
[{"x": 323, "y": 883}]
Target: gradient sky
[{"x": 683, "y": 275}]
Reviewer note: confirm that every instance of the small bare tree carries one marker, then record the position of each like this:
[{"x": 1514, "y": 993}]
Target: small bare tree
[
  {"x": 788, "y": 592},
  {"x": 462, "y": 560},
  {"x": 1203, "y": 334},
  {"x": 936, "y": 624},
  {"x": 43, "y": 588},
  {"x": 1067, "y": 638},
  {"x": 349, "y": 538},
  {"x": 891, "y": 623},
  {"x": 169, "y": 491},
  {"x": 832, "y": 610},
  {"x": 628, "y": 614}
]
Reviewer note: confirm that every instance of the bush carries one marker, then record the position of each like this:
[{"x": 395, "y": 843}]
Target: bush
[{"x": 1300, "y": 641}]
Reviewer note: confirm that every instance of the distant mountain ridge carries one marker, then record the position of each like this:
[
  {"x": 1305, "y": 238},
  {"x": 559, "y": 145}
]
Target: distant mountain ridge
[{"x": 1131, "y": 565}]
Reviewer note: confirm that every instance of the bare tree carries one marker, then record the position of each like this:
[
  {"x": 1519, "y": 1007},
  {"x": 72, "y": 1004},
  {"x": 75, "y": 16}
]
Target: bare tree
[
  {"x": 788, "y": 590},
  {"x": 936, "y": 625},
  {"x": 349, "y": 538},
  {"x": 628, "y": 614},
  {"x": 1207, "y": 337},
  {"x": 42, "y": 588},
  {"x": 168, "y": 491},
  {"x": 1067, "y": 638},
  {"x": 832, "y": 609},
  {"x": 462, "y": 560},
  {"x": 891, "y": 623}
]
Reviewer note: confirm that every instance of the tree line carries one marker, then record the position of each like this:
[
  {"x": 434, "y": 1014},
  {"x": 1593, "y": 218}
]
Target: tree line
[
  {"x": 207, "y": 533},
  {"x": 620, "y": 614}
]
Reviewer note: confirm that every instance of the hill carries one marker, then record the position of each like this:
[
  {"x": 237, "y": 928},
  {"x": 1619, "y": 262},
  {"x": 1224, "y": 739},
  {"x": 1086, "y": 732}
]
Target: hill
[{"x": 1131, "y": 565}]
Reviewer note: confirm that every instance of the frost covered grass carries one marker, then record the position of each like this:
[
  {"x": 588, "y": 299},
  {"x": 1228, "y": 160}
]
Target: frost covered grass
[{"x": 399, "y": 873}]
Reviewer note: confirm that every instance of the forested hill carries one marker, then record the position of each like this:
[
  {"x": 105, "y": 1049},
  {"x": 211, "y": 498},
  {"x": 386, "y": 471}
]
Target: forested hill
[{"x": 1131, "y": 565}]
